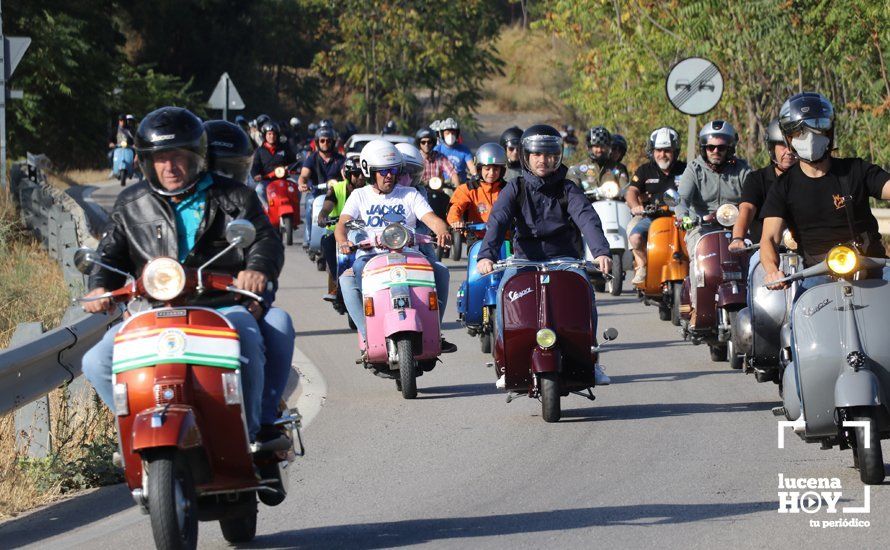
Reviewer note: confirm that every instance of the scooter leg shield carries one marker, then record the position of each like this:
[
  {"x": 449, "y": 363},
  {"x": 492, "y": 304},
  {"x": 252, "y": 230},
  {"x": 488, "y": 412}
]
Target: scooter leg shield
[
  {"x": 546, "y": 360},
  {"x": 173, "y": 426},
  {"x": 790, "y": 397},
  {"x": 745, "y": 331},
  {"x": 401, "y": 321},
  {"x": 857, "y": 389}
]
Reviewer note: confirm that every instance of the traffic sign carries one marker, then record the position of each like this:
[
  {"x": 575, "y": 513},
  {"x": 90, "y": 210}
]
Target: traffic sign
[
  {"x": 15, "y": 49},
  {"x": 222, "y": 100},
  {"x": 694, "y": 86}
]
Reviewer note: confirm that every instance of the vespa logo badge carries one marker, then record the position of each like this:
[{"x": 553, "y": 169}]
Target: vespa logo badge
[
  {"x": 171, "y": 342},
  {"x": 810, "y": 311},
  {"x": 161, "y": 137},
  {"x": 513, "y": 295}
]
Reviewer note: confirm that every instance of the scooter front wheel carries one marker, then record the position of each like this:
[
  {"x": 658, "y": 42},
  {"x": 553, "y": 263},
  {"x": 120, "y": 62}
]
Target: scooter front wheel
[
  {"x": 871, "y": 460},
  {"x": 172, "y": 503},
  {"x": 288, "y": 230},
  {"x": 407, "y": 367},
  {"x": 617, "y": 275},
  {"x": 550, "y": 396},
  {"x": 457, "y": 244}
]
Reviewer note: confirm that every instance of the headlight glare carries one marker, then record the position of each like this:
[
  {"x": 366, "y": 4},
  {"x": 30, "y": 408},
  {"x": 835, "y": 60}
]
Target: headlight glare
[
  {"x": 842, "y": 260},
  {"x": 163, "y": 279},
  {"x": 610, "y": 190},
  {"x": 727, "y": 214},
  {"x": 546, "y": 338}
]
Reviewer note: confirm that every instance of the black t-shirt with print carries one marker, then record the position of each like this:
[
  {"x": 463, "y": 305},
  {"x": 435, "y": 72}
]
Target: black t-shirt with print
[
  {"x": 754, "y": 191},
  {"x": 651, "y": 180},
  {"x": 815, "y": 211}
]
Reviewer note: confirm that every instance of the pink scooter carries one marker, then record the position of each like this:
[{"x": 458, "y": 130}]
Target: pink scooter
[{"x": 401, "y": 309}]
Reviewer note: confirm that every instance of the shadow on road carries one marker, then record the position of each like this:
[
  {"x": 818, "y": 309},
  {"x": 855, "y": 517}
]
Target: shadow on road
[
  {"x": 418, "y": 531},
  {"x": 65, "y": 516},
  {"x": 643, "y": 345},
  {"x": 661, "y": 410},
  {"x": 326, "y": 332},
  {"x": 666, "y": 376},
  {"x": 467, "y": 390}
]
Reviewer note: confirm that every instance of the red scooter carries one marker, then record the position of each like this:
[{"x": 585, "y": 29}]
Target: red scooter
[
  {"x": 283, "y": 200},
  {"x": 548, "y": 348},
  {"x": 178, "y": 402}
]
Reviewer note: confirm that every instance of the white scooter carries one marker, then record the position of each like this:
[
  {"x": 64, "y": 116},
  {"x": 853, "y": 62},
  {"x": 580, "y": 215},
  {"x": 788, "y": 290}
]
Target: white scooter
[{"x": 614, "y": 214}]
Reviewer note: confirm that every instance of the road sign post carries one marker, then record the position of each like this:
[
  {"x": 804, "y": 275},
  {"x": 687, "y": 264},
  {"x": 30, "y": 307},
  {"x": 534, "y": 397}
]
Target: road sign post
[
  {"x": 225, "y": 97},
  {"x": 11, "y": 51},
  {"x": 694, "y": 86}
]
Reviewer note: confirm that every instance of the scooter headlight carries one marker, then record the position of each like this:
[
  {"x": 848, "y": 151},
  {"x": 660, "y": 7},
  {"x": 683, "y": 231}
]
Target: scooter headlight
[
  {"x": 842, "y": 260},
  {"x": 280, "y": 172},
  {"x": 163, "y": 279},
  {"x": 546, "y": 338},
  {"x": 395, "y": 236},
  {"x": 788, "y": 240},
  {"x": 610, "y": 190},
  {"x": 435, "y": 183},
  {"x": 727, "y": 214}
]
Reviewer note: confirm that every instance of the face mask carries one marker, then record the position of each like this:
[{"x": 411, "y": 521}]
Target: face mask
[
  {"x": 810, "y": 147},
  {"x": 663, "y": 164},
  {"x": 449, "y": 140}
]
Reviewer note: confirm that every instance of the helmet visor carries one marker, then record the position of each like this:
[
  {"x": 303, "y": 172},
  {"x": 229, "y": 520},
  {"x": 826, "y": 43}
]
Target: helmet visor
[
  {"x": 542, "y": 144},
  {"x": 236, "y": 168},
  {"x": 821, "y": 126},
  {"x": 173, "y": 171}
]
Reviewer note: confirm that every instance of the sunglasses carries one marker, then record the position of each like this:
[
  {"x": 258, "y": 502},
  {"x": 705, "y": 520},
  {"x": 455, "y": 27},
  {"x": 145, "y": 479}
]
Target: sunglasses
[
  {"x": 425, "y": 141},
  {"x": 324, "y": 140},
  {"x": 721, "y": 148},
  {"x": 389, "y": 171},
  {"x": 512, "y": 148}
]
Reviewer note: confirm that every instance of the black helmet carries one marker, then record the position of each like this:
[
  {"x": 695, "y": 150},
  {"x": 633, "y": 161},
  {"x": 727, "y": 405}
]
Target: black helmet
[
  {"x": 511, "y": 137},
  {"x": 326, "y": 132},
  {"x": 270, "y": 126},
  {"x": 312, "y": 128},
  {"x": 167, "y": 129},
  {"x": 262, "y": 119},
  {"x": 326, "y": 122},
  {"x": 351, "y": 166},
  {"x": 425, "y": 133},
  {"x": 807, "y": 110},
  {"x": 390, "y": 128},
  {"x": 619, "y": 144},
  {"x": 598, "y": 135},
  {"x": 540, "y": 138},
  {"x": 228, "y": 149}
]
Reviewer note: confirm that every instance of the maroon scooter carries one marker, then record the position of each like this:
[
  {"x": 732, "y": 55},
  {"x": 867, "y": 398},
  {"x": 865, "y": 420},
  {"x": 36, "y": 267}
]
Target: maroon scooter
[
  {"x": 720, "y": 285},
  {"x": 548, "y": 348}
]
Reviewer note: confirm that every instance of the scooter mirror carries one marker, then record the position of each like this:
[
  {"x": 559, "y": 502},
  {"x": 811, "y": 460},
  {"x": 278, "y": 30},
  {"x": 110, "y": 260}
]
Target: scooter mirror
[
  {"x": 671, "y": 197},
  {"x": 610, "y": 334},
  {"x": 84, "y": 259},
  {"x": 241, "y": 233}
]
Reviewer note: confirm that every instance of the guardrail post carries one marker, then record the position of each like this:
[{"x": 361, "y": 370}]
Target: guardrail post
[{"x": 31, "y": 420}]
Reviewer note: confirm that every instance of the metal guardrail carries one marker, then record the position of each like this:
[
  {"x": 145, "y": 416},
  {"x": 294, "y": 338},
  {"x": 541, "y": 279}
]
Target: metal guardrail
[{"x": 38, "y": 362}]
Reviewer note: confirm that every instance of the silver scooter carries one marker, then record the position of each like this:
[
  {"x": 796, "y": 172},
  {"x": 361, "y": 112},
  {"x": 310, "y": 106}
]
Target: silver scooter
[{"x": 837, "y": 357}]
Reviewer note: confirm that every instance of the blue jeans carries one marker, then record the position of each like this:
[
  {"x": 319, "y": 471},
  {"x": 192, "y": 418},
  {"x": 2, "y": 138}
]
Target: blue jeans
[
  {"x": 96, "y": 364},
  {"x": 278, "y": 334},
  {"x": 308, "y": 221},
  {"x": 351, "y": 288},
  {"x": 261, "y": 192},
  {"x": 511, "y": 271}
]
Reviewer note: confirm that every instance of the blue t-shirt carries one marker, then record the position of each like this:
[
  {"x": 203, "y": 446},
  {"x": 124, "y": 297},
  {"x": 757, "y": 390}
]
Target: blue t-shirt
[
  {"x": 458, "y": 154},
  {"x": 188, "y": 214}
]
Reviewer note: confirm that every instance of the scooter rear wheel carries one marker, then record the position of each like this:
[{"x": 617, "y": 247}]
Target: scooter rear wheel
[
  {"x": 676, "y": 297},
  {"x": 485, "y": 342},
  {"x": 550, "y": 396},
  {"x": 172, "y": 503},
  {"x": 718, "y": 352},
  {"x": 664, "y": 313},
  {"x": 288, "y": 231},
  {"x": 871, "y": 460},
  {"x": 240, "y": 529},
  {"x": 407, "y": 367},
  {"x": 736, "y": 361}
]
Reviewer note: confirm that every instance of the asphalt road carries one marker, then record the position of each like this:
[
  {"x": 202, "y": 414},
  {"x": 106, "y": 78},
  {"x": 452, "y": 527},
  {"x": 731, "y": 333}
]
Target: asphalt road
[{"x": 678, "y": 452}]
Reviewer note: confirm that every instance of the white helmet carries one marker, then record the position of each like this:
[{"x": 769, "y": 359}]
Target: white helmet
[
  {"x": 377, "y": 155},
  {"x": 294, "y": 122},
  {"x": 663, "y": 138},
  {"x": 412, "y": 157}
]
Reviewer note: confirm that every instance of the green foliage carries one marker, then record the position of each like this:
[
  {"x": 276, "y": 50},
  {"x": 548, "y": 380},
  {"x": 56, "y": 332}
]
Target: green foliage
[
  {"x": 767, "y": 50},
  {"x": 405, "y": 57}
]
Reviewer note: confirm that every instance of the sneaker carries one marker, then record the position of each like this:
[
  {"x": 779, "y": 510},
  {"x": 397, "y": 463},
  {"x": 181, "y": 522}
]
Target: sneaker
[
  {"x": 600, "y": 376},
  {"x": 329, "y": 297},
  {"x": 501, "y": 383},
  {"x": 639, "y": 275},
  {"x": 448, "y": 347}
]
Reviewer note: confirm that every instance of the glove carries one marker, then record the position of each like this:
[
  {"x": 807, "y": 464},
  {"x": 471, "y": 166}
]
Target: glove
[{"x": 687, "y": 223}]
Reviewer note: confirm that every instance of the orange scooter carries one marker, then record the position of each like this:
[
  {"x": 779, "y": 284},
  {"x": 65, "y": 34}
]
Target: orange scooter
[{"x": 668, "y": 260}]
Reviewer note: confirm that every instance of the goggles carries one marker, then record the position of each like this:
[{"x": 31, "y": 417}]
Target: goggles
[
  {"x": 394, "y": 171},
  {"x": 821, "y": 126}
]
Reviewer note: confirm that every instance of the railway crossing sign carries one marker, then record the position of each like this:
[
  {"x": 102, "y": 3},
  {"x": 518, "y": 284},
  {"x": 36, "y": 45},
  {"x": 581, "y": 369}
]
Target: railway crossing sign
[{"x": 694, "y": 86}]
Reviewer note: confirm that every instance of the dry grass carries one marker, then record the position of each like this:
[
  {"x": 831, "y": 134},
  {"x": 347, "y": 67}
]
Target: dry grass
[
  {"x": 32, "y": 289},
  {"x": 80, "y": 177},
  {"x": 535, "y": 73}
]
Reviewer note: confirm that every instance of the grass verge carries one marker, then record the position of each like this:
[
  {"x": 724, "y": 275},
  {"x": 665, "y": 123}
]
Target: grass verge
[{"x": 81, "y": 430}]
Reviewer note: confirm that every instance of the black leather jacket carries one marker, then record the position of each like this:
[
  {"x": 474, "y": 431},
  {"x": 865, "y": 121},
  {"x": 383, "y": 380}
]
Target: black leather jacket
[{"x": 142, "y": 227}]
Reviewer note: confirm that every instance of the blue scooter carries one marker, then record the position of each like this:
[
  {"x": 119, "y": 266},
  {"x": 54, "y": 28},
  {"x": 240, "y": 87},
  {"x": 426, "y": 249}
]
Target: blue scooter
[
  {"x": 477, "y": 297},
  {"x": 122, "y": 161}
]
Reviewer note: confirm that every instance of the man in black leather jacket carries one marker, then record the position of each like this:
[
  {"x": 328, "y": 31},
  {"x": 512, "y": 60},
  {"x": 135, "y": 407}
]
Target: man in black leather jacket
[{"x": 181, "y": 211}]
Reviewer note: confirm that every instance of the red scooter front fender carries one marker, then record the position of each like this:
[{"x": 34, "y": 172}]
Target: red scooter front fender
[
  {"x": 173, "y": 426},
  {"x": 546, "y": 360}
]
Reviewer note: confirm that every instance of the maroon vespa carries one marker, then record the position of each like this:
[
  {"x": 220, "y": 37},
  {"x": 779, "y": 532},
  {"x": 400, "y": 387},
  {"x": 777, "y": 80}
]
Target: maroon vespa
[
  {"x": 548, "y": 348},
  {"x": 720, "y": 286}
]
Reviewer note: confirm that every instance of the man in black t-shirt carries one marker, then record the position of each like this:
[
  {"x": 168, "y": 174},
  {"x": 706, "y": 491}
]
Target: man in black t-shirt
[
  {"x": 823, "y": 200},
  {"x": 757, "y": 185},
  {"x": 650, "y": 181}
]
